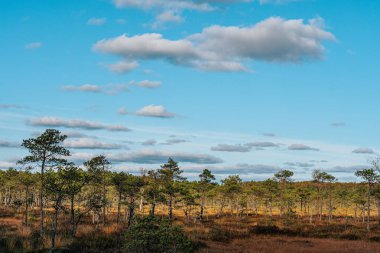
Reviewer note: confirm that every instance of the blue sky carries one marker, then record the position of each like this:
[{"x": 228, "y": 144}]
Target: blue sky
[{"x": 240, "y": 87}]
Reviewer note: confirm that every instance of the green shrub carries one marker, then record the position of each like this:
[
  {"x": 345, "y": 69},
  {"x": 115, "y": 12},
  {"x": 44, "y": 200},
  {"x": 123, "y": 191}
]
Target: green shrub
[{"x": 155, "y": 235}]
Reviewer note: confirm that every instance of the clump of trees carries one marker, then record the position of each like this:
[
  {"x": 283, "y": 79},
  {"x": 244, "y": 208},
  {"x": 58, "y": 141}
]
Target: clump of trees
[{"x": 57, "y": 188}]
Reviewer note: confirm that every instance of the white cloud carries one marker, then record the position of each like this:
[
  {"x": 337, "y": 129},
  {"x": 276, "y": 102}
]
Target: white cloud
[
  {"x": 89, "y": 143},
  {"x": 262, "y": 144},
  {"x": 221, "y": 48},
  {"x": 75, "y": 123},
  {"x": 6, "y": 165},
  {"x": 363, "y": 151},
  {"x": 11, "y": 106},
  {"x": 149, "y": 142},
  {"x": 338, "y": 124},
  {"x": 158, "y": 157},
  {"x": 163, "y": 4},
  {"x": 123, "y": 111},
  {"x": 301, "y": 147},
  {"x": 121, "y": 21},
  {"x": 240, "y": 169},
  {"x": 231, "y": 148},
  {"x": 167, "y": 17},
  {"x": 97, "y": 21},
  {"x": 154, "y": 111},
  {"x": 147, "y": 84},
  {"x": 9, "y": 144},
  {"x": 122, "y": 67},
  {"x": 174, "y": 141},
  {"x": 33, "y": 45},
  {"x": 110, "y": 89}
]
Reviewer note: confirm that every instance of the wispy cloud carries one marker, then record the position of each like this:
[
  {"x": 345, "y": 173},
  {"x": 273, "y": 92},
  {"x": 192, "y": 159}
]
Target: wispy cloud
[
  {"x": 244, "y": 147},
  {"x": 159, "y": 157},
  {"x": 9, "y": 144},
  {"x": 90, "y": 143},
  {"x": 338, "y": 124},
  {"x": 149, "y": 142},
  {"x": 174, "y": 141},
  {"x": 301, "y": 147},
  {"x": 231, "y": 148},
  {"x": 122, "y": 67},
  {"x": 75, "y": 123},
  {"x": 12, "y": 106},
  {"x": 110, "y": 89},
  {"x": 363, "y": 151},
  {"x": 33, "y": 45},
  {"x": 97, "y": 21},
  {"x": 146, "y": 84}
]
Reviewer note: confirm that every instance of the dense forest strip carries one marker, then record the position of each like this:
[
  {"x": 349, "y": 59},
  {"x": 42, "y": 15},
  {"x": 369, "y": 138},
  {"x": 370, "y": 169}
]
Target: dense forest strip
[{"x": 93, "y": 194}]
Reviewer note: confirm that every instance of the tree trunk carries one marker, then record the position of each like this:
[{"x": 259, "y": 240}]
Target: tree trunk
[
  {"x": 153, "y": 208},
  {"x": 202, "y": 208},
  {"x": 131, "y": 209},
  {"x": 72, "y": 215},
  {"x": 369, "y": 208},
  {"x": 42, "y": 231},
  {"x": 378, "y": 210},
  {"x": 54, "y": 230},
  {"x": 118, "y": 207},
  {"x": 26, "y": 206},
  {"x": 170, "y": 207}
]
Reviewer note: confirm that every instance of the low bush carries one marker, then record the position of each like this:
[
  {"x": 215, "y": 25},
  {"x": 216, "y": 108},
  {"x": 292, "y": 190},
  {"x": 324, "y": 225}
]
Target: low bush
[{"x": 156, "y": 235}]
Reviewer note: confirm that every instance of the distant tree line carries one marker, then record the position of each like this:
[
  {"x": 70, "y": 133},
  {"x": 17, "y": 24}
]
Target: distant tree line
[{"x": 49, "y": 182}]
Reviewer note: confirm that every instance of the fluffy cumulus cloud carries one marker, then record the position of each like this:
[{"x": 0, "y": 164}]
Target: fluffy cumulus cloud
[
  {"x": 363, "y": 151},
  {"x": 159, "y": 157},
  {"x": 76, "y": 124},
  {"x": 90, "y": 143},
  {"x": 221, "y": 48},
  {"x": 157, "y": 111},
  {"x": 301, "y": 147},
  {"x": 167, "y": 17},
  {"x": 110, "y": 89}
]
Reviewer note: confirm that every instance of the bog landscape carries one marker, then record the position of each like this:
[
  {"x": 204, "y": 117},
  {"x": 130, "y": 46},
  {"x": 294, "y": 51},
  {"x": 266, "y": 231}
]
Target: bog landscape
[{"x": 181, "y": 126}]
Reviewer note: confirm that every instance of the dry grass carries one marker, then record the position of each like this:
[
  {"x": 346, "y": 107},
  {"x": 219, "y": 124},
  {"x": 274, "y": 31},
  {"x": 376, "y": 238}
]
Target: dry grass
[
  {"x": 229, "y": 233},
  {"x": 276, "y": 244}
]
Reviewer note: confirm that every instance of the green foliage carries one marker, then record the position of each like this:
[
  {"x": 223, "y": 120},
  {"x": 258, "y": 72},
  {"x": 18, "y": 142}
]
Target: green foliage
[
  {"x": 154, "y": 235},
  {"x": 46, "y": 148}
]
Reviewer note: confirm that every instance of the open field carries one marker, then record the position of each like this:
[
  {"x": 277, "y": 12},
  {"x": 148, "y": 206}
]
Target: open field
[{"x": 230, "y": 233}]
